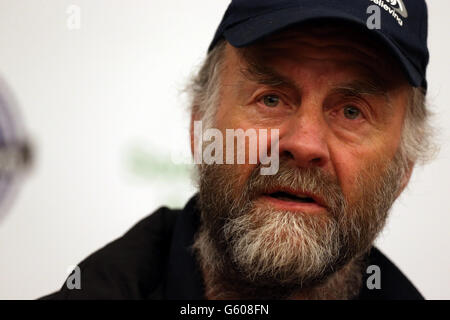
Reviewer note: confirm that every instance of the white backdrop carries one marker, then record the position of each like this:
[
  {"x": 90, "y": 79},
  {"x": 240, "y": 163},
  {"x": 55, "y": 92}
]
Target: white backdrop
[{"x": 99, "y": 102}]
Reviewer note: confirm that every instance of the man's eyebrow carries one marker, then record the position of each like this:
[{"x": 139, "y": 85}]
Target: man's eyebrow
[
  {"x": 363, "y": 87},
  {"x": 262, "y": 74}
]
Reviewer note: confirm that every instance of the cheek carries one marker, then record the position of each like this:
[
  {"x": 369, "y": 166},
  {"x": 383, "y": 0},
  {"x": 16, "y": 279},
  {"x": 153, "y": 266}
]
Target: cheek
[
  {"x": 347, "y": 167},
  {"x": 351, "y": 165},
  {"x": 229, "y": 116},
  {"x": 238, "y": 172}
]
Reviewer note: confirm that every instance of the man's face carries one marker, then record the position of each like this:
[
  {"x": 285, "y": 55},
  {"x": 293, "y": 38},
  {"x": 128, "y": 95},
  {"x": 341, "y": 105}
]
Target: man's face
[{"x": 339, "y": 105}]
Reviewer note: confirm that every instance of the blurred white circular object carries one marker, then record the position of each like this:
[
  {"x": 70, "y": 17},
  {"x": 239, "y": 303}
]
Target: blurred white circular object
[{"x": 15, "y": 151}]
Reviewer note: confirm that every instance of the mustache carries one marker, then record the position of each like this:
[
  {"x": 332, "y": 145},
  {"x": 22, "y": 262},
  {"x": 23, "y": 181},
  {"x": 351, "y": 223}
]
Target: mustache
[{"x": 314, "y": 181}]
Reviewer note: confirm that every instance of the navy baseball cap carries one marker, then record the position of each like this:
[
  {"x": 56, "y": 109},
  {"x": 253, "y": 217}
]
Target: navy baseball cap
[{"x": 403, "y": 25}]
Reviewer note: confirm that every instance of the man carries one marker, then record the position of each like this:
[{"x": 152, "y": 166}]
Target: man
[{"x": 347, "y": 105}]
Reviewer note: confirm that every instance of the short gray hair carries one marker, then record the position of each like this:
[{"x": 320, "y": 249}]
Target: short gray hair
[
  {"x": 416, "y": 143},
  {"x": 204, "y": 87}
]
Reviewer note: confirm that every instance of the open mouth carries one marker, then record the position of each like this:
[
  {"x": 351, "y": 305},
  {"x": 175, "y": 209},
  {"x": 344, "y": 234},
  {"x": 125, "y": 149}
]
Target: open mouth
[{"x": 286, "y": 196}]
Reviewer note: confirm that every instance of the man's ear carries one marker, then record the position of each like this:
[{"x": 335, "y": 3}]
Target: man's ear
[{"x": 406, "y": 177}]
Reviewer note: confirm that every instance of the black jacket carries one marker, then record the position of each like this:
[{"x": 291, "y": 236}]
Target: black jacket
[{"x": 153, "y": 261}]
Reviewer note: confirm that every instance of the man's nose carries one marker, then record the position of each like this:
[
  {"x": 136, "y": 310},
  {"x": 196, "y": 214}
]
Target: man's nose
[{"x": 304, "y": 140}]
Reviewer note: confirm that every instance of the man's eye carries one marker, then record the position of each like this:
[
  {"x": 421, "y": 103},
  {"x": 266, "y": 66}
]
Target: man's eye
[
  {"x": 271, "y": 100},
  {"x": 352, "y": 113}
]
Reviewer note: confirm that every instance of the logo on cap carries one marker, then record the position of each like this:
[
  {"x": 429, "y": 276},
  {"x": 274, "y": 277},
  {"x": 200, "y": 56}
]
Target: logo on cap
[
  {"x": 399, "y": 6},
  {"x": 395, "y": 8}
]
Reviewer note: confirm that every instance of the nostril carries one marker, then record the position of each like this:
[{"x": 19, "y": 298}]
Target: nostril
[{"x": 288, "y": 155}]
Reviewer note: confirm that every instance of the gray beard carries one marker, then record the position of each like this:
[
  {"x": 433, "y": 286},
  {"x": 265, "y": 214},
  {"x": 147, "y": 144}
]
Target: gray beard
[
  {"x": 250, "y": 251},
  {"x": 222, "y": 283}
]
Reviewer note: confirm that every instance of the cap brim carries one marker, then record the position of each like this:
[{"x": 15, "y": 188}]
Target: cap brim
[{"x": 251, "y": 30}]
